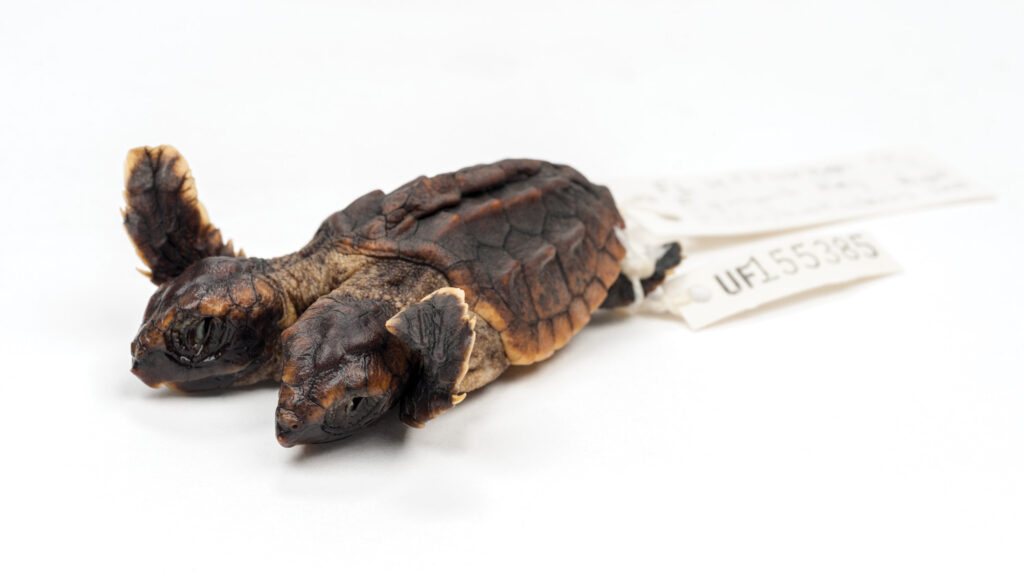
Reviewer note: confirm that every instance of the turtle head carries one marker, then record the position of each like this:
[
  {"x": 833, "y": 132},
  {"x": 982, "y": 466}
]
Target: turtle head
[
  {"x": 343, "y": 371},
  {"x": 347, "y": 363},
  {"x": 214, "y": 320},
  {"x": 214, "y": 326}
]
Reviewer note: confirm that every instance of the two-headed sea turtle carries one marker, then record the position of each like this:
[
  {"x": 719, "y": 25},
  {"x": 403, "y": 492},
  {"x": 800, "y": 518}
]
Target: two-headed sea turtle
[{"x": 413, "y": 298}]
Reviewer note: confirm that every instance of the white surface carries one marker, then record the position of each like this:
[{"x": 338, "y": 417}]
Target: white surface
[{"x": 874, "y": 429}]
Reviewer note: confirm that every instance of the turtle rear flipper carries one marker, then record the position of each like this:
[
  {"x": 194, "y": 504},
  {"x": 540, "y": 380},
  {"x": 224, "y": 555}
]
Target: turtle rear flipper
[
  {"x": 440, "y": 330},
  {"x": 621, "y": 293},
  {"x": 163, "y": 217}
]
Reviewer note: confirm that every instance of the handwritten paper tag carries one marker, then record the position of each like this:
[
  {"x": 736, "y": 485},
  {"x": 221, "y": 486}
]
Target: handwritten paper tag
[
  {"x": 755, "y": 274},
  {"x": 753, "y": 202}
]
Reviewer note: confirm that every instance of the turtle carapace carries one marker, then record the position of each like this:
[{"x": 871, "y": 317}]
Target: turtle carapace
[{"x": 410, "y": 299}]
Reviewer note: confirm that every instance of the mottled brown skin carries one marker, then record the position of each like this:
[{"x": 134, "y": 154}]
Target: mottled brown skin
[
  {"x": 344, "y": 368},
  {"x": 247, "y": 302},
  {"x": 234, "y": 308},
  {"x": 412, "y": 298}
]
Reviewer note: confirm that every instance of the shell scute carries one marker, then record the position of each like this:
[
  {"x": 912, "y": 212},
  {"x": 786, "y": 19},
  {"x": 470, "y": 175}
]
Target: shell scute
[
  {"x": 558, "y": 198},
  {"x": 487, "y": 223},
  {"x": 525, "y": 211},
  {"x": 550, "y": 294},
  {"x": 529, "y": 242}
]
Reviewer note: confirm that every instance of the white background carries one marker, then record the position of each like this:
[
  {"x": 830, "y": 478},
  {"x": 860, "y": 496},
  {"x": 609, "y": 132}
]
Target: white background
[{"x": 874, "y": 429}]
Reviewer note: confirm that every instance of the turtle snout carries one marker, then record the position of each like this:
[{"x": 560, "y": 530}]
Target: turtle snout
[
  {"x": 136, "y": 356},
  {"x": 291, "y": 429}
]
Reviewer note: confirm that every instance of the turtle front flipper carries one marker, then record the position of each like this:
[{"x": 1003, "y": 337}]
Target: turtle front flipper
[
  {"x": 163, "y": 217},
  {"x": 440, "y": 330}
]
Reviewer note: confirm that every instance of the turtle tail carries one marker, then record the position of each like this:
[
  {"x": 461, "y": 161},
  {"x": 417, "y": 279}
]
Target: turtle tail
[{"x": 621, "y": 292}]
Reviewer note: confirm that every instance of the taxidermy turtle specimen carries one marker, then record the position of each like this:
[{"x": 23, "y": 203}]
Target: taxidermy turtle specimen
[{"x": 412, "y": 298}]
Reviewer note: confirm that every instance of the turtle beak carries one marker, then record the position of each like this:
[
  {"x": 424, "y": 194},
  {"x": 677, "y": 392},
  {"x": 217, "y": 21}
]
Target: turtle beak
[
  {"x": 139, "y": 372},
  {"x": 148, "y": 368},
  {"x": 142, "y": 361},
  {"x": 292, "y": 430},
  {"x": 156, "y": 369}
]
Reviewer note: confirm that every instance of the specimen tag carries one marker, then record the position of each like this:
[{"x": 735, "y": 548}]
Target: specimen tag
[
  {"x": 755, "y": 274},
  {"x": 753, "y": 202}
]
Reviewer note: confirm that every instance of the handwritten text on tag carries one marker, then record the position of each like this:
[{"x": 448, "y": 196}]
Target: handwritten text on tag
[{"x": 754, "y": 202}]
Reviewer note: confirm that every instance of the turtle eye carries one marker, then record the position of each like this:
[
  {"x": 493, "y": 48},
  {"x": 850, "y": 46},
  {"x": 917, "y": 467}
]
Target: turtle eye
[
  {"x": 200, "y": 341},
  {"x": 199, "y": 332}
]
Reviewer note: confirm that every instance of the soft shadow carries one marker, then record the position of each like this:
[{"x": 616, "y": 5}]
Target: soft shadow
[
  {"x": 512, "y": 375},
  {"x": 613, "y": 318},
  {"x": 606, "y": 317},
  {"x": 164, "y": 394},
  {"x": 388, "y": 435},
  {"x": 602, "y": 320}
]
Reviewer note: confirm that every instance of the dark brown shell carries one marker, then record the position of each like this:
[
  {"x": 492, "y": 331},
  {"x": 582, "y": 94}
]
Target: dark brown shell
[{"x": 531, "y": 244}]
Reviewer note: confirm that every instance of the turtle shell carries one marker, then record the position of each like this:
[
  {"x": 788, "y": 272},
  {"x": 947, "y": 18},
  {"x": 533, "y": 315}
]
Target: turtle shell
[{"x": 531, "y": 244}]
